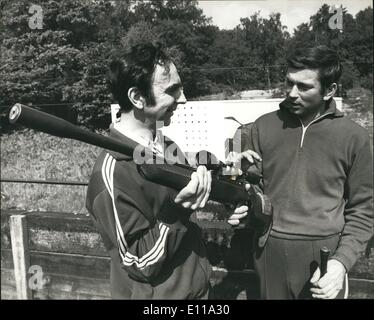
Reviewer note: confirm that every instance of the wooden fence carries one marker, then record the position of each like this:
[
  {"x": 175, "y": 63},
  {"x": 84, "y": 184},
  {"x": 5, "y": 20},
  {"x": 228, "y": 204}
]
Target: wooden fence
[{"x": 49, "y": 255}]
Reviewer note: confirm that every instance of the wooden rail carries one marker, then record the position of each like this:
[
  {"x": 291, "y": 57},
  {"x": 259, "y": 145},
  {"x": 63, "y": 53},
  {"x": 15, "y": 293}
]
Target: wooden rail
[{"x": 48, "y": 255}]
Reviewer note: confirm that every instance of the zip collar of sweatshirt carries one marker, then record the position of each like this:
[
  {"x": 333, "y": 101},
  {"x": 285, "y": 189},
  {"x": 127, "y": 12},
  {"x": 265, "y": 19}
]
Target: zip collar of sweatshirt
[{"x": 330, "y": 111}]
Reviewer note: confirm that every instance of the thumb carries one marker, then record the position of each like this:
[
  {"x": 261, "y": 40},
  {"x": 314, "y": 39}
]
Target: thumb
[{"x": 316, "y": 276}]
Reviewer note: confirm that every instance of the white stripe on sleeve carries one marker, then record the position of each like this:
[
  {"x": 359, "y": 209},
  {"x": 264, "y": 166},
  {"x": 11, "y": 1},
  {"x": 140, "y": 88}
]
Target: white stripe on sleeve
[{"x": 157, "y": 251}]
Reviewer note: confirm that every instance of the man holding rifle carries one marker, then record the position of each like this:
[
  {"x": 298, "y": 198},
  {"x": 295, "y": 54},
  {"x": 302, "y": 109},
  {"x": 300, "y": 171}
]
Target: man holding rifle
[
  {"x": 317, "y": 172},
  {"x": 156, "y": 251}
]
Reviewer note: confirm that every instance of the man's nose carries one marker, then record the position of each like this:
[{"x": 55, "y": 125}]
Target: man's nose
[
  {"x": 181, "y": 99},
  {"x": 294, "y": 92}
]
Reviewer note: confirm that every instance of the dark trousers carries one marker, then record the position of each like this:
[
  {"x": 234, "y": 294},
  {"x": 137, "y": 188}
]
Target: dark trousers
[{"x": 285, "y": 267}]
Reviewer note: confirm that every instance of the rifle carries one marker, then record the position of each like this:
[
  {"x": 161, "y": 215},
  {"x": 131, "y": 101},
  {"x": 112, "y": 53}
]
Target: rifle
[{"x": 175, "y": 176}]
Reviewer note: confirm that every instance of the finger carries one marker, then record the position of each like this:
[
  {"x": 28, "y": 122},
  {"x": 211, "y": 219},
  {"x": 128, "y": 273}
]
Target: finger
[
  {"x": 247, "y": 155},
  {"x": 315, "y": 276},
  {"x": 232, "y": 171},
  {"x": 331, "y": 294},
  {"x": 316, "y": 291},
  {"x": 201, "y": 172},
  {"x": 189, "y": 190},
  {"x": 193, "y": 185},
  {"x": 324, "y": 290},
  {"x": 250, "y": 155},
  {"x": 254, "y": 155},
  {"x": 200, "y": 193},
  {"x": 238, "y": 216},
  {"x": 233, "y": 222},
  {"x": 208, "y": 188},
  {"x": 230, "y": 157},
  {"x": 241, "y": 209},
  {"x": 235, "y": 158},
  {"x": 186, "y": 204}
]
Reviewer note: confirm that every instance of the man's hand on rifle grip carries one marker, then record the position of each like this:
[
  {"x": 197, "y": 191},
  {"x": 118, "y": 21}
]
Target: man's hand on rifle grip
[{"x": 196, "y": 193}]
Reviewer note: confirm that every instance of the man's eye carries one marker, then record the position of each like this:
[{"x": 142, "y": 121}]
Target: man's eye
[
  {"x": 289, "y": 83},
  {"x": 302, "y": 87},
  {"x": 171, "y": 91},
  {"x": 175, "y": 91}
]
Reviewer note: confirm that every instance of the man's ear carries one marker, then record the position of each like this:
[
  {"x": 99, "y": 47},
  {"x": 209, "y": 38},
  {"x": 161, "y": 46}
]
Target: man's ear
[
  {"x": 136, "y": 97},
  {"x": 330, "y": 91}
]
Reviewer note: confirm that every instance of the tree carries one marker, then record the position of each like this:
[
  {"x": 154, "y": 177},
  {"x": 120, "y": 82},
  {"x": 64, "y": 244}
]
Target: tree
[
  {"x": 359, "y": 46},
  {"x": 184, "y": 11},
  {"x": 265, "y": 40},
  {"x": 354, "y": 42},
  {"x": 181, "y": 27},
  {"x": 65, "y": 62}
]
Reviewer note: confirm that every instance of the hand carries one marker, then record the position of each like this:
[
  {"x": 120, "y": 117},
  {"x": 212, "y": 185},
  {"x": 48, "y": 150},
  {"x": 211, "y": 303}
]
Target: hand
[
  {"x": 331, "y": 283},
  {"x": 235, "y": 159},
  {"x": 197, "y": 191},
  {"x": 240, "y": 212}
]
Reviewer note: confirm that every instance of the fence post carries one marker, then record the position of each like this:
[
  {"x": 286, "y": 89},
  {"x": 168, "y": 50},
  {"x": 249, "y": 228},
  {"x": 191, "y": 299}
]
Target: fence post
[{"x": 21, "y": 257}]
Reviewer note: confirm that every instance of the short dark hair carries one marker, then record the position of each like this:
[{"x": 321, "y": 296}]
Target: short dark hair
[
  {"x": 321, "y": 58},
  {"x": 135, "y": 68}
]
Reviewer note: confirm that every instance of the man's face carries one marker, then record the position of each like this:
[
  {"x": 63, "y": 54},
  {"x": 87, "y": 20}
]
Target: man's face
[
  {"x": 168, "y": 93},
  {"x": 304, "y": 93}
]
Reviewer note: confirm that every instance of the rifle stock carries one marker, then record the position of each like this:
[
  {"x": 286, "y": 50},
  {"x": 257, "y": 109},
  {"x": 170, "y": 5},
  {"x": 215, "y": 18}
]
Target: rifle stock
[
  {"x": 42, "y": 121},
  {"x": 174, "y": 176}
]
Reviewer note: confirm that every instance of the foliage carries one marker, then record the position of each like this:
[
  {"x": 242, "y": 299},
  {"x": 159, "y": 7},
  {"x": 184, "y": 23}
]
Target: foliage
[
  {"x": 66, "y": 62},
  {"x": 354, "y": 43},
  {"x": 63, "y": 62},
  {"x": 182, "y": 28}
]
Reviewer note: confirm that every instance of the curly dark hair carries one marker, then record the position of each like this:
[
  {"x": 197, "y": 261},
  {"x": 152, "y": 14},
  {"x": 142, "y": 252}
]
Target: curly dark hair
[
  {"x": 321, "y": 58},
  {"x": 135, "y": 68}
]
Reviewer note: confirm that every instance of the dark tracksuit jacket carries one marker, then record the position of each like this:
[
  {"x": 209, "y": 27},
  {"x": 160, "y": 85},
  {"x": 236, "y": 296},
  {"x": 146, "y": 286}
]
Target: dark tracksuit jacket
[
  {"x": 319, "y": 178},
  {"x": 156, "y": 251}
]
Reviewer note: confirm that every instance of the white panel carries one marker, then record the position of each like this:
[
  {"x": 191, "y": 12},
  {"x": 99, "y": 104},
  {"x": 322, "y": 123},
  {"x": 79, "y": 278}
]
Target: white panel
[
  {"x": 198, "y": 126},
  {"x": 201, "y": 125}
]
